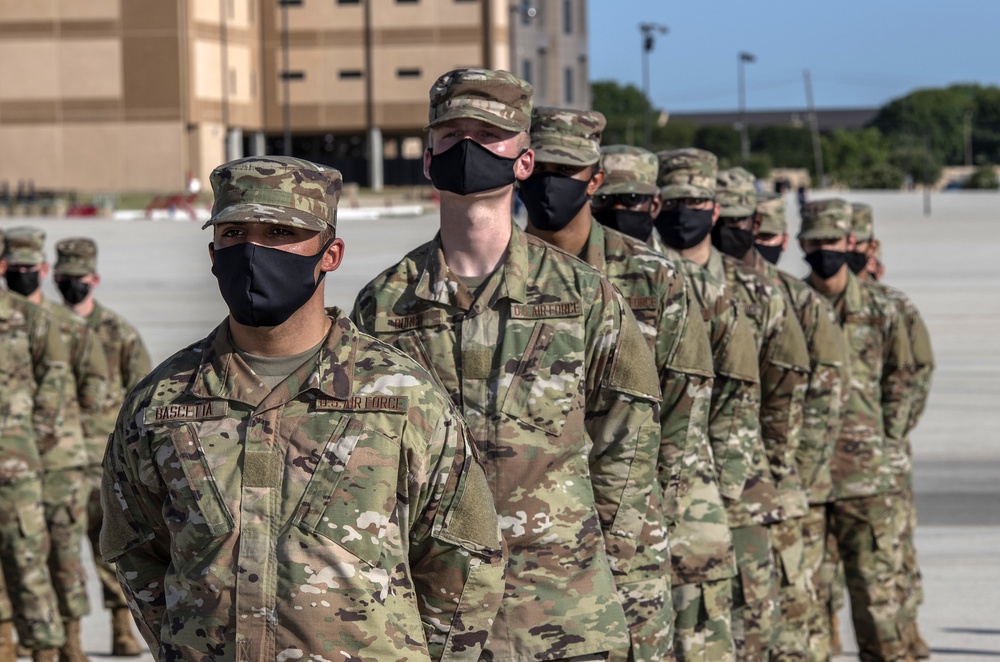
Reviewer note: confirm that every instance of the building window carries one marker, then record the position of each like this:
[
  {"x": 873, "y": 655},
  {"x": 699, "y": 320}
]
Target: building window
[
  {"x": 567, "y": 16},
  {"x": 407, "y": 73},
  {"x": 350, "y": 74},
  {"x": 407, "y": 2},
  {"x": 348, "y": 2},
  {"x": 293, "y": 75},
  {"x": 525, "y": 11},
  {"x": 568, "y": 84},
  {"x": 526, "y": 72}
]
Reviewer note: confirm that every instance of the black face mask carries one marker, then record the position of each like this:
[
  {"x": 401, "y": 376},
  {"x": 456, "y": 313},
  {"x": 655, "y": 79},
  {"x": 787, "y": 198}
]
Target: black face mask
[
  {"x": 683, "y": 227},
  {"x": 731, "y": 241},
  {"x": 23, "y": 282},
  {"x": 638, "y": 224},
  {"x": 770, "y": 253},
  {"x": 826, "y": 264},
  {"x": 467, "y": 167},
  {"x": 73, "y": 290},
  {"x": 552, "y": 200},
  {"x": 856, "y": 262},
  {"x": 264, "y": 286}
]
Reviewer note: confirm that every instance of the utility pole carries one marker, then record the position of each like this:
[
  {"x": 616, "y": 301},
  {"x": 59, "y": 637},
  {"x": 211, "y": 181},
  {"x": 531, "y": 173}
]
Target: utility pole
[
  {"x": 373, "y": 134},
  {"x": 518, "y": 12},
  {"x": 967, "y": 131},
  {"x": 741, "y": 60},
  {"x": 648, "y": 31},
  {"x": 814, "y": 129}
]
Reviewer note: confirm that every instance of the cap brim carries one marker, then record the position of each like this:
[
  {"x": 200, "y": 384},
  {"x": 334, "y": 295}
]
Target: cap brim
[
  {"x": 736, "y": 211},
  {"x": 686, "y": 191},
  {"x": 822, "y": 234},
  {"x": 467, "y": 112},
  {"x": 564, "y": 156},
  {"x": 23, "y": 258},
  {"x": 629, "y": 187},
  {"x": 274, "y": 215},
  {"x": 72, "y": 270},
  {"x": 772, "y": 228}
]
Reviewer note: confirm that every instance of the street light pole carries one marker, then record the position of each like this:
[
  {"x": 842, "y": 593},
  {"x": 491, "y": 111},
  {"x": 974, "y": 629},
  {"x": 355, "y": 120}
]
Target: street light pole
[
  {"x": 517, "y": 13},
  {"x": 648, "y": 31},
  {"x": 286, "y": 77},
  {"x": 742, "y": 59}
]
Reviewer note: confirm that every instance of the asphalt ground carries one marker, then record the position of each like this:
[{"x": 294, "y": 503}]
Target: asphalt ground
[{"x": 157, "y": 274}]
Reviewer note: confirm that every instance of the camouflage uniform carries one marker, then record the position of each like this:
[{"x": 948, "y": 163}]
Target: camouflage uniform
[
  {"x": 874, "y": 424},
  {"x": 658, "y": 298},
  {"x": 33, "y": 372},
  {"x": 341, "y": 514},
  {"x": 825, "y": 394},
  {"x": 65, "y": 489},
  {"x": 784, "y": 369},
  {"x": 700, "y": 539},
  {"x": 128, "y": 362},
  {"x": 910, "y": 585},
  {"x": 558, "y": 388},
  {"x": 752, "y": 500}
]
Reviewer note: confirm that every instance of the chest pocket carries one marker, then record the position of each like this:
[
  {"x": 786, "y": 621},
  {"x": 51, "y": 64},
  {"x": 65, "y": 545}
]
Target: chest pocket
[
  {"x": 351, "y": 497},
  {"x": 865, "y": 336},
  {"x": 545, "y": 383},
  {"x": 196, "y": 511}
]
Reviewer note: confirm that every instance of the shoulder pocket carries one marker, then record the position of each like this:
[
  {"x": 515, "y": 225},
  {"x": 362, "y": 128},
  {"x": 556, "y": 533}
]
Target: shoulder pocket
[{"x": 351, "y": 496}]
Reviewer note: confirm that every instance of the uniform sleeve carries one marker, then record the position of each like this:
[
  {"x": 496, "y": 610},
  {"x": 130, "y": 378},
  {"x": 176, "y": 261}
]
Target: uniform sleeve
[
  {"x": 91, "y": 373},
  {"x": 897, "y": 376},
  {"x": 622, "y": 419},
  {"x": 686, "y": 378},
  {"x": 825, "y": 391},
  {"x": 784, "y": 373},
  {"x": 135, "y": 362},
  {"x": 133, "y": 534},
  {"x": 362, "y": 312},
  {"x": 54, "y": 379},
  {"x": 457, "y": 555},
  {"x": 923, "y": 359},
  {"x": 734, "y": 427}
]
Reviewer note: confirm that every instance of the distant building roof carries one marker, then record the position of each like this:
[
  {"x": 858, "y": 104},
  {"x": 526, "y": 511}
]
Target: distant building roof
[{"x": 828, "y": 119}]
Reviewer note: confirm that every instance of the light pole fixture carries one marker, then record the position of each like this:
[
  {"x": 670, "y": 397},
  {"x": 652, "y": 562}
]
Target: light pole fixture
[
  {"x": 742, "y": 59},
  {"x": 649, "y": 31}
]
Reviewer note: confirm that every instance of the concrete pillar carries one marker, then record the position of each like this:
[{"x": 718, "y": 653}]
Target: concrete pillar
[
  {"x": 234, "y": 144},
  {"x": 375, "y": 154},
  {"x": 258, "y": 145}
]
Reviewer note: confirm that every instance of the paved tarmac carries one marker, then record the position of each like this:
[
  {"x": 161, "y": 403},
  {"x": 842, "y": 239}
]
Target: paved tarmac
[{"x": 157, "y": 275}]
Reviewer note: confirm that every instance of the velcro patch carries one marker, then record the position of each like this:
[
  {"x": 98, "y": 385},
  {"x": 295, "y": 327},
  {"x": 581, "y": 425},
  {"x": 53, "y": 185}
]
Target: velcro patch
[
  {"x": 532, "y": 311},
  {"x": 750, "y": 309},
  {"x": 261, "y": 469},
  {"x": 476, "y": 363},
  {"x": 396, "y": 403},
  {"x": 385, "y": 324},
  {"x": 641, "y": 303},
  {"x": 202, "y": 411},
  {"x": 864, "y": 320}
]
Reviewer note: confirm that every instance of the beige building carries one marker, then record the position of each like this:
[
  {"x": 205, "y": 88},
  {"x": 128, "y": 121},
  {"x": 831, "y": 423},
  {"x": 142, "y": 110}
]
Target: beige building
[{"x": 135, "y": 95}]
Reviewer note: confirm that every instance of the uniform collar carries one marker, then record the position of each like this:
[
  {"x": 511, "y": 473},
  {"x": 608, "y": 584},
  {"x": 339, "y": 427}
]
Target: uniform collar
[
  {"x": 436, "y": 282},
  {"x": 222, "y": 374},
  {"x": 594, "y": 253},
  {"x": 853, "y": 299},
  {"x": 716, "y": 265},
  {"x": 6, "y": 304}
]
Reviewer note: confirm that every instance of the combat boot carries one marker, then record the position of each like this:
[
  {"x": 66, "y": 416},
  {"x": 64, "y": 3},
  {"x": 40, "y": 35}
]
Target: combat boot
[
  {"x": 8, "y": 652},
  {"x": 836, "y": 648},
  {"x": 45, "y": 655},
  {"x": 915, "y": 643},
  {"x": 123, "y": 641},
  {"x": 72, "y": 650}
]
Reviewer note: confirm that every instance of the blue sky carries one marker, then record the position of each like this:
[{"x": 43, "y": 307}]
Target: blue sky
[{"x": 860, "y": 53}]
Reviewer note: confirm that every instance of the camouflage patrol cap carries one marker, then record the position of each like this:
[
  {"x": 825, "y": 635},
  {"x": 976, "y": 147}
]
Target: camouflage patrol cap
[
  {"x": 687, "y": 173},
  {"x": 629, "y": 169},
  {"x": 825, "y": 219},
  {"x": 771, "y": 208},
  {"x": 25, "y": 246},
  {"x": 862, "y": 223},
  {"x": 496, "y": 97},
  {"x": 566, "y": 136},
  {"x": 276, "y": 189},
  {"x": 735, "y": 192},
  {"x": 76, "y": 257}
]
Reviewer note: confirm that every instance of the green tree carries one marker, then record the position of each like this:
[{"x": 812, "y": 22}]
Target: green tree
[
  {"x": 623, "y": 107},
  {"x": 984, "y": 178}
]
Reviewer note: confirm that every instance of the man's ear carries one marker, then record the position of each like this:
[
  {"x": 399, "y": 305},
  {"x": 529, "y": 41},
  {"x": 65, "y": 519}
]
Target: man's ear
[
  {"x": 211, "y": 252},
  {"x": 715, "y": 212},
  {"x": 427, "y": 163},
  {"x": 596, "y": 182},
  {"x": 656, "y": 206},
  {"x": 755, "y": 230},
  {"x": 333, "y": 256},
  {"x": 784, "y": 242},
  {"x": 524, "y": 165},
  {"x": 851, "y": 243}
]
